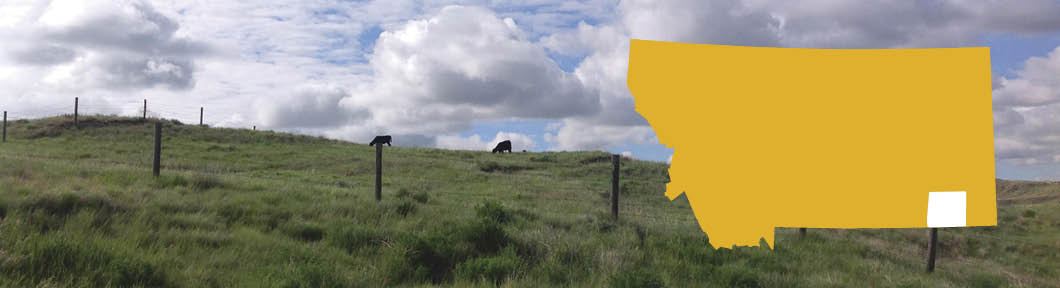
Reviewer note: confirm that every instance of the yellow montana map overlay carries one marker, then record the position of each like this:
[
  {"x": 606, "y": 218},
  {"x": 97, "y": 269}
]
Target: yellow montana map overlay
[{"x": 818, "y": 138}]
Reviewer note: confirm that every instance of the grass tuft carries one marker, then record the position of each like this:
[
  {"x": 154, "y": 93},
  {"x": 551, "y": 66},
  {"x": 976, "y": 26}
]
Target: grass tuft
[
  {"x": 494, "y": 270},
  {"x": 405, "y": 208},
  {"x": 637, "y": 278},
  {"x": 491, "y": 166},
  {"x": 86, "y": 263},
  {"x": 50, "y": 211},
  {"x": 303, "y": 231}
]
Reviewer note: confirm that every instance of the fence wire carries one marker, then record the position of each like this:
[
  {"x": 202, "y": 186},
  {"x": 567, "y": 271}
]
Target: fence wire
[{"x": 86, "y": 107}]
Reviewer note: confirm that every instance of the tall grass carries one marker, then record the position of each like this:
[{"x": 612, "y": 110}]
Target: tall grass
[{"x": 239, "y": 208}]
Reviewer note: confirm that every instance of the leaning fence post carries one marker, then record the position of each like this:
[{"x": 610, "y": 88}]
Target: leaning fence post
[
  {"x": 615, "y": 159},
  {"x": 75, "y": 113},
  {"x": 145, "y": 109},
  {"x": 931, "y": 250},
  {"x": 158, "y": 148},
  {"x": 5, "y": 127},
  {"x": 378, "y": 171}
]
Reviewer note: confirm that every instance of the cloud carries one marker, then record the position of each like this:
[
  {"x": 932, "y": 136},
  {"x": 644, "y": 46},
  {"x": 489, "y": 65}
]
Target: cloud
[
  {"x": 903, "y": 24},
  {"x": 606, "y": 50},
  {"x": 313, "y": 106},
  {"x": 317, "y": 68},
  {"x": 580, "y": 135},
  {"x": 476, "y": 142},
  {"x": 1035, "y": 84},
  {"x": 725, "y": 22},
  {"x": 1027, "y": 112},
  {"x": 467, "y": 57},
  {"x": 76, "y": 45},
  {"x": 440, "y": 74}
]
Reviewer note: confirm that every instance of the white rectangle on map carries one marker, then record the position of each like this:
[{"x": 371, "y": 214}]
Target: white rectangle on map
[{"x": 947, "y": 209}]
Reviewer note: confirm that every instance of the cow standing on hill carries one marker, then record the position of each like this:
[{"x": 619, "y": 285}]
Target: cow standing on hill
[
  {"x": 505, "y": 145},
  {"x": 380, "y": 140}
]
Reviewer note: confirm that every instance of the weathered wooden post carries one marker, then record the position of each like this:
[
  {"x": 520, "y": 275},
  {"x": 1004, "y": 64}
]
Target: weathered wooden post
[
  {"x": 5, "y": 127},
  {"x": 145, "y": 110},
  {"x": 615, "y": 159},
  {"x": 75, "y": 114},
  {"x": 931, "y": 250},
  {"x": 200, "y": 116},
  {"x": 802, "y": 232},
  {"x": 255, "y": 127},
  {"x": 158, "y": 148},
  {"x": 378, "y": 172}
]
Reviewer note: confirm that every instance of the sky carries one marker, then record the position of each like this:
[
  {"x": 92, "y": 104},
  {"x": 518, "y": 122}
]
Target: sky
[{"x": 548, "y": 75}]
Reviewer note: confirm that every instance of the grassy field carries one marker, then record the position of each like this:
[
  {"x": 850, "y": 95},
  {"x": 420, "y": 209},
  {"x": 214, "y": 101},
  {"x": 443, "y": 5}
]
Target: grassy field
[{"x": 240, "y": 208}]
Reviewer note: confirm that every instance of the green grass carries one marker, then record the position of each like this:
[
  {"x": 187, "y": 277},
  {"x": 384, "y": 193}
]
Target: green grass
[{"x": 233, "y": 207}]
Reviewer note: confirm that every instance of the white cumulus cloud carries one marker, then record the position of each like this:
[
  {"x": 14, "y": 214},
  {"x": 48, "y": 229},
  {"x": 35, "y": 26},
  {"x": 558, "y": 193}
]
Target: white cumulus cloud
[{"x": 475, "y": 142}]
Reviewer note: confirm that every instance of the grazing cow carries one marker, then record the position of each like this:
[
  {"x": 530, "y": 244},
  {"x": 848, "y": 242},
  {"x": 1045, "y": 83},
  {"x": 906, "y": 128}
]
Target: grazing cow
[
  {"x": 505, "y": 145},
  {"x": 380, "y": 140}
]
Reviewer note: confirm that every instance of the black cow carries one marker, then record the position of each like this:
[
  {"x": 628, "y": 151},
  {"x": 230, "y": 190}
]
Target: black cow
[
  {"x": 380, "y": 140},
  {"x": 505, "y": 145}
]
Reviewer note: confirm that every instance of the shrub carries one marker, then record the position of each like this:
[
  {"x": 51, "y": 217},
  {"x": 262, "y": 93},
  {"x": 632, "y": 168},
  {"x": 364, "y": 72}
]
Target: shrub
[
  {"x": 493, "y": 269},
  {"x": 1029, "y": 213},
  {"x": 637, "y": 278}
]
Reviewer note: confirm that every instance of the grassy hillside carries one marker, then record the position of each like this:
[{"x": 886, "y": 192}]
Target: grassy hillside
[{"x": 79, "y": 207}]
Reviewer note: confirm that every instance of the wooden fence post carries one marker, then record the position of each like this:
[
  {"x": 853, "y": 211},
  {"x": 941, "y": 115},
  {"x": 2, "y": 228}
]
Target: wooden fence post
[
  {"x": 931, "y": 250},
  {"x": 145, "y": 109},
  {"x": 5, "y": 127},
  {"x": 378, "y": 172},
  {"x": 158, "y": 148},
  {"x": 200, "y": 116},
  {"x": 802, "y": 232},
  {"x": 75, "y": 114},
  {"x": 616, "y": 159}
]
